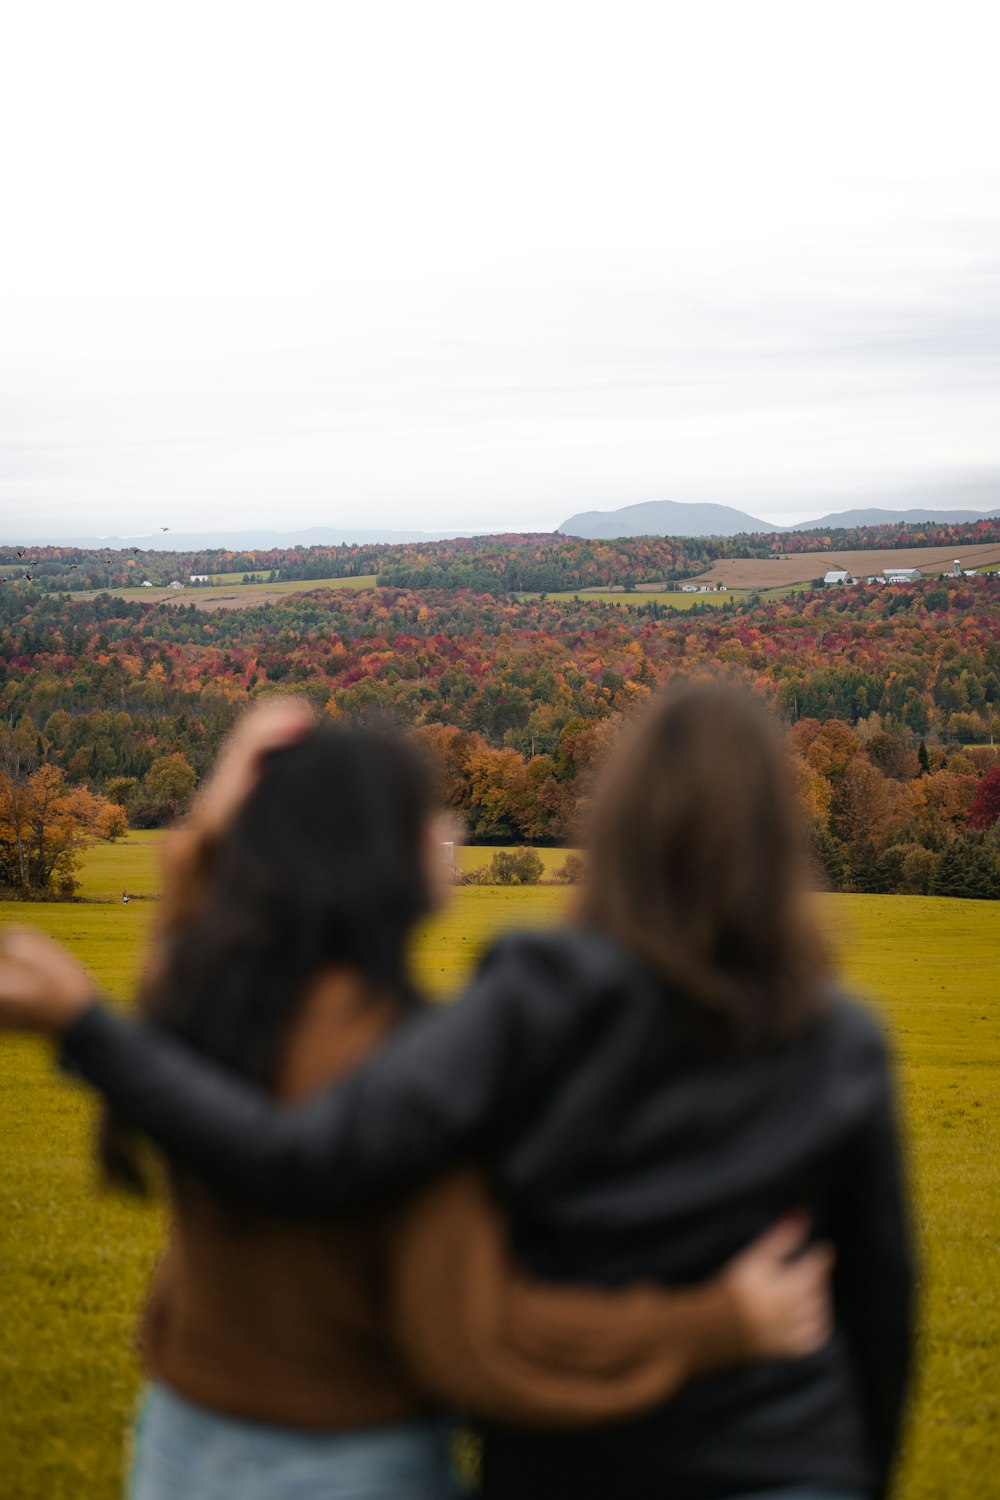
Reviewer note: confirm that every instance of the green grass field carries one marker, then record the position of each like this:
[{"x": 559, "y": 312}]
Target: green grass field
[
  {"x": 361, "y": 581},
  {"x": 73, "y": 1261},
  {"x": 227, "y": 592},
  {"x": 473, "y": 858},
  {"x": 675, "y": 598}
]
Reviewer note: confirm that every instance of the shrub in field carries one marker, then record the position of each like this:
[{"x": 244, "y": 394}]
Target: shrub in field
[
  {"x": 115, "y": 823},
  {"x": 570, "y": 872},
  {"x": 516, "y": 867},
  {"x": 509, "y": 867}
]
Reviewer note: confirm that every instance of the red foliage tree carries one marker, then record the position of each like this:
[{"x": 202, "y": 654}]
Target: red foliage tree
[{"x": 985, "y": 809}]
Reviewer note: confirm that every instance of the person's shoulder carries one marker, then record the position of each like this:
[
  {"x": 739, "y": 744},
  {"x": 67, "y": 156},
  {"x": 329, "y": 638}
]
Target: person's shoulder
[
  {"x": 566, "y": 974},
  {"x": 855, "y": 1026},
  {"x": 562, "y": 952},
  {"x": 859, "y": 1053}
]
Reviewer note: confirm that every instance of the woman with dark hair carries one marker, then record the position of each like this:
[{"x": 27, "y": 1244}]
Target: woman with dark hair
[
  {"x": 306, "y": 1360},
  {"x": 651, "y": 1087}
]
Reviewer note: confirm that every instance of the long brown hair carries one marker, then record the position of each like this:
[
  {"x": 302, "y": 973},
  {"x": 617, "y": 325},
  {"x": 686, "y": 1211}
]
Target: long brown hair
[
  {"x": 697, "y": 864},
  {"x": 323, "y": 866}
]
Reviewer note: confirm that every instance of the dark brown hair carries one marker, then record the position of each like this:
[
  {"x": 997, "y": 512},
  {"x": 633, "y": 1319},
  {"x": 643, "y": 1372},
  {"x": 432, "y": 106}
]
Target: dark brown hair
[
  {"x": 322, "y": 866},
  {"x": 697, "y": 864}
]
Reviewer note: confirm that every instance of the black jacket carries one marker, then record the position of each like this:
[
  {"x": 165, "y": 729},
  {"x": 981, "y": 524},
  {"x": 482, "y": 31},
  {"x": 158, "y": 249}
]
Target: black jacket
[{"x": 624, "y": 1147}]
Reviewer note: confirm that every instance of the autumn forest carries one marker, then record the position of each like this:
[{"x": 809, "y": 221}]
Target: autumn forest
[{"x": 113, "y": 707}]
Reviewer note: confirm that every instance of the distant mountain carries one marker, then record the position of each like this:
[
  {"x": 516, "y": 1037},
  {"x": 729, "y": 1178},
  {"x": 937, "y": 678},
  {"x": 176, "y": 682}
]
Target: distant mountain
[
  {"x": 663, "y": 518},
  {"x": 239, "y": 541},
  {"x": 675, "y": 518},
  {"x": 651, "y": 518},
  {"x": 877, "y": 517}
]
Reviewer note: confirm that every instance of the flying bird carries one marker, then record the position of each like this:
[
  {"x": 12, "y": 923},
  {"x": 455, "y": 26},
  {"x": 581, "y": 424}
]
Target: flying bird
[
  {"x": 20, "y": 551},
  {"x": 164, "y": 528}
]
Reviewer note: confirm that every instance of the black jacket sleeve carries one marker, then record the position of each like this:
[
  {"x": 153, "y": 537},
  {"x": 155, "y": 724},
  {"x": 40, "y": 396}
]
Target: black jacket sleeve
[
  {"x": 875, "y": 1270},
  {"x": 446, "y": 1084}
]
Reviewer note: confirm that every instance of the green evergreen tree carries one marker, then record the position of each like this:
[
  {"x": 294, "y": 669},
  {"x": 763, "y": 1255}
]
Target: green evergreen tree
[
  {"x": 969, "y": 868},
  {"x": 828, "y": 853}
]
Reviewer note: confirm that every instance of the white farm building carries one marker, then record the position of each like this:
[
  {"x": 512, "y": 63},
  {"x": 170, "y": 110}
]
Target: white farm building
[
  {"x": 837, "y": 576},
  {"x": 901, "y": 575}
]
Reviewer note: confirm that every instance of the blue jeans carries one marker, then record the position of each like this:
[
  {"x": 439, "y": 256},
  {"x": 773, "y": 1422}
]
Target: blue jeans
[{"x": 186, "y": 1452}]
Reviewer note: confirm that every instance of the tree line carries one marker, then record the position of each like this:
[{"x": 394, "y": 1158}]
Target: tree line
[
  {"x": 518, "y": 701},
  {"x": 519, "y": 562}
]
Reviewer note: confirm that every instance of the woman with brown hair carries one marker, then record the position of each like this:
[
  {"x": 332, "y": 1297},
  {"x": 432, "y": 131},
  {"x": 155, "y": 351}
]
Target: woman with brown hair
[{"x": 651, "y": 1086}]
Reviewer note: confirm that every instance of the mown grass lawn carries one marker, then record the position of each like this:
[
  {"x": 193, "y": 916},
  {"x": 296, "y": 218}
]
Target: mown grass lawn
[{"x": 73, "y": 1260}]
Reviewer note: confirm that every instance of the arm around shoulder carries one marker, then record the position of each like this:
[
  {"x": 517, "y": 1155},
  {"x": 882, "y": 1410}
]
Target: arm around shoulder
[
  {"x": 480, "y": 1333},
  {"x": 445, "y": 1084}
]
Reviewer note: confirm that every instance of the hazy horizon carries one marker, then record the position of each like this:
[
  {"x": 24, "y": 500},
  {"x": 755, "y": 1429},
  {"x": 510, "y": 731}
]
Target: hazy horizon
[
  {"x": 977, "y": 496},
  {"x": 423, "y": 272}
]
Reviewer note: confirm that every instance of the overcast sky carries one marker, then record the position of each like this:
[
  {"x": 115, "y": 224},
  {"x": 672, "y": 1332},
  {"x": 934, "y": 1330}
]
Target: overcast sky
[{"x": 475, "y": 266}]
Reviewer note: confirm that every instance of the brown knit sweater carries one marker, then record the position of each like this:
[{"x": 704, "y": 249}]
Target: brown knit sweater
[{"x": 373, "y": 1318}]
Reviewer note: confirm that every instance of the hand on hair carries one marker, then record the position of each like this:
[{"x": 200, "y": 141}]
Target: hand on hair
[
  {"x": 271, "y": 725},
  {"x": 42, "y": 986}
]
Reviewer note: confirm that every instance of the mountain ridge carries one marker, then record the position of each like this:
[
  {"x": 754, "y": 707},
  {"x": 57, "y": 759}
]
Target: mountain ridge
[
  {"x": 680, "y": 518},
  {"x": 648, "y": 518}
]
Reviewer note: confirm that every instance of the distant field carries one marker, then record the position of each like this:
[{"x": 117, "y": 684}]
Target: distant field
[
  {"x": 227, "y": 592},
  {"x": 766, "y": 573},
  {"x": 673, "y": 597},
  {"x": 472, "y": 857},
  {"x": 132, "y": 865},
  {"x": 363, "y": 580},
  {"x": 235, "y": 595},
  {"x": 73, "y": 1262}
]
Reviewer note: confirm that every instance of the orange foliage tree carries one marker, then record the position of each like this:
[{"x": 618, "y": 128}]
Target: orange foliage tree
[{"x": 44, "y": 827}]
